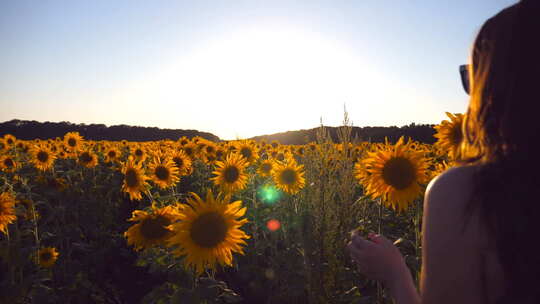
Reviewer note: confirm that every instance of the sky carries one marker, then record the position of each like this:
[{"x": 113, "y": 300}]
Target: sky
[{"x": 235, "y": 68}]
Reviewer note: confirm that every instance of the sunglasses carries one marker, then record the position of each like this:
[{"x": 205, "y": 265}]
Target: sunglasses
[{"x": 465, "y": 79}]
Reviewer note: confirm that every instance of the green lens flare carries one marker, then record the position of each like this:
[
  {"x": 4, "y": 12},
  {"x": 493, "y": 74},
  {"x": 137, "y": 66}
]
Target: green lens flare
[{"x": 269, "y": 194}]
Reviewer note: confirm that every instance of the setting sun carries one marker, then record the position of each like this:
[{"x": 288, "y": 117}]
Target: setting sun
[{"x": 266, "y": 77}]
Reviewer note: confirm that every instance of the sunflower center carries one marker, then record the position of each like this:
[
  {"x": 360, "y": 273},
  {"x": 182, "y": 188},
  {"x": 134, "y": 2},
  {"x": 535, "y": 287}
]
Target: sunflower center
[
  {"x": 72, "y": 142},
  {"x": 288, "y": 176},
  {"x": 266, "y": 167},
  {"x": 189, "y": 151},
  {"x": 154, "y": 228},
  {"x": 43, "y": 156},
  {"x": 162, "y": 172},
  {"x": 45, "y": 256},
  {"x": 399, "y": 173},
  {"x": 178, "y": 161},
  {"x": 456, "y": 136},
  {"x": 132, "y": 178},
  {"x": 246, "y": 152},
  {"x": 8, "y": 162},
  {"x": 208, "y": 230},
  {"x": 209, "y": 149},
  {"x": 111, "y": 154},
  {"x": 85, "y": 158},
  {"x": 138, "y": 152},
  {"x": 280, "y": 156},
  {"x": 231, "y": 174}
]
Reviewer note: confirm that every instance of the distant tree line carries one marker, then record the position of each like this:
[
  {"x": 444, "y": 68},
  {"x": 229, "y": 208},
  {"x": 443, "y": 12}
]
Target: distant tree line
[
  {"x": 421, "y": 133},
  {"x": 25, "y": 129}
]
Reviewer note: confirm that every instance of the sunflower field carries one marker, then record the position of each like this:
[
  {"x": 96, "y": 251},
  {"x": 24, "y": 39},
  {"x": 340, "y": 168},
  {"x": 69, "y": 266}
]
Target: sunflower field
[{"x": 196, "y": 221}]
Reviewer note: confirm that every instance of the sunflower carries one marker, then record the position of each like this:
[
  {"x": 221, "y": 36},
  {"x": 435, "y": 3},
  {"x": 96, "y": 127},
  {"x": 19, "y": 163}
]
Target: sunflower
[
  {"x": 220, "y": 153},
  {"x": 164, "y": 173},
  {"x": 88, "y": 159},
  {"x": 248, "y": 150},
  {"x": 280, "y": 156},
  {"x": 182, "y": 161},
  {"x": 7, "y": 211},
  {"x": 47, "y": 256},
  {"x": 134, "y": 179},
  {"x": 62, "y": 154},
  {"x": 183, "y": 141},
  {"x": 265, "y": 168},
  {"x": 190, "y": 149},
  {"x": 449, "y": 134},
  {"x": 10, "y": 140},
  {"x": 201, "y": 147},
  {"x": 73, "y": 141},
  {"x": 231, "y": 148},
  {"x": 394, "y": 173},
  {"x": 209, "y": 232},
  {"x": 139, "y": 153},
  {"x": 20, "y": 145},
  {"x": 288, "y": 176},
  {"x": 43, "y": 158},
  {"x": 230, "y": 174},
  {"x": 209, "y": 158},
  {"x": 112, "y": 154},
  {"x": 152, "y": 228},
  {"x": 210, "y": 148},
  {"x": 8, "y": 164}
]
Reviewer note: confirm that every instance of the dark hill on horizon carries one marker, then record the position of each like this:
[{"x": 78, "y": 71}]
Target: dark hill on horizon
[
  {"x": 422, "y": 133},
  {"x": 31, "y": 129}
]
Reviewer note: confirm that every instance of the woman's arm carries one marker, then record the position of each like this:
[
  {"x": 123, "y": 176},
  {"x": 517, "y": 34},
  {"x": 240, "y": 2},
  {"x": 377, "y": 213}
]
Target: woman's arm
[{"x": 402, "y": 288}]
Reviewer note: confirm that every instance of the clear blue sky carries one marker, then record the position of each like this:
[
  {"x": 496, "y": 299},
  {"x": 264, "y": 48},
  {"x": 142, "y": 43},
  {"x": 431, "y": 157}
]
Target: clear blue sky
[{"x": 236, "y": 68}]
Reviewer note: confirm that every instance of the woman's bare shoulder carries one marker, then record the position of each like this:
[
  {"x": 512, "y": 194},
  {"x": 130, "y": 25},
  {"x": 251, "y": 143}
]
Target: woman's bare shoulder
[
  {"x": 452, "y": 189},
  {"x": 455, "y": 176}
]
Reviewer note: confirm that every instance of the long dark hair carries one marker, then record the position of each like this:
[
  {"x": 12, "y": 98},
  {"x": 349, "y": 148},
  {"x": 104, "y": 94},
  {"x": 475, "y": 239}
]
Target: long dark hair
[{"x": 502, "y": 137}]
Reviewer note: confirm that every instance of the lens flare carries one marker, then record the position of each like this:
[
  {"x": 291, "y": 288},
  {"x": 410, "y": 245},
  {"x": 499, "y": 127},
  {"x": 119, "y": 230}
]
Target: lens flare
[
  {"x": 269, "y": 194},
  {"x": 273, "y": 225}
]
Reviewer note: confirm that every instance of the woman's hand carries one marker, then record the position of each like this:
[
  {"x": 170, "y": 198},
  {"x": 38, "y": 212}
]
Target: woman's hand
[{"x": 377, "y": 258}]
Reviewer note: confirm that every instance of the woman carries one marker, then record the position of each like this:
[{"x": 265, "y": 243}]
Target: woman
[{"x": 481, "y": 219}]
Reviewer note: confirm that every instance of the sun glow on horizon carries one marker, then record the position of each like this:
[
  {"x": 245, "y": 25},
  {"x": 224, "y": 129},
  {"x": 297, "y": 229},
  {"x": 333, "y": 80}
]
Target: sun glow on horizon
[{"x": 262, "y": 81}]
